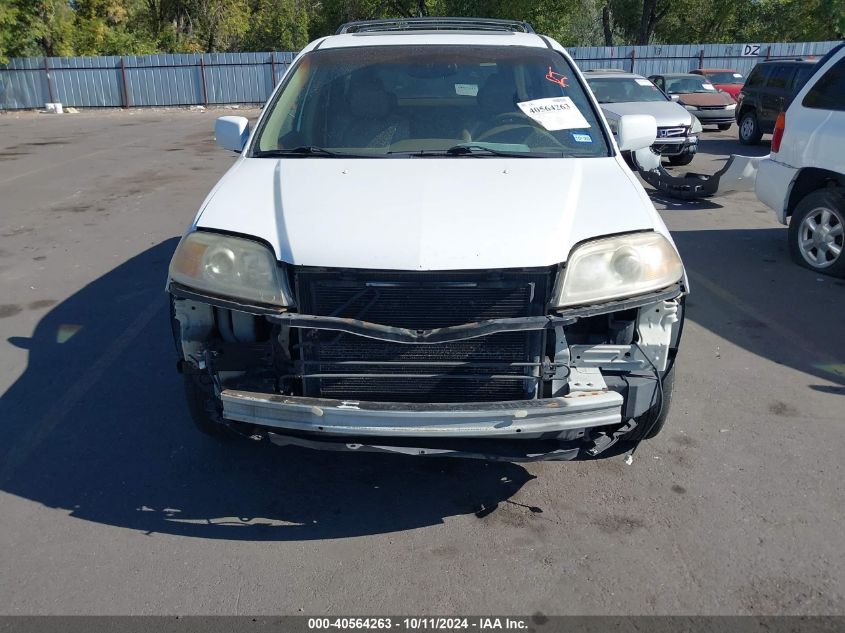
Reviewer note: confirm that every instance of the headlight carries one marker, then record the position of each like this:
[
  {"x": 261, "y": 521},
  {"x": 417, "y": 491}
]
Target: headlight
[
  {"x": 230, "y": 267},
  {"x": 696, "y": 126},
  {"x": 617, "y": 267},
  {"x": 730, "y": 106},
  {"x": 691, "y": 108}
]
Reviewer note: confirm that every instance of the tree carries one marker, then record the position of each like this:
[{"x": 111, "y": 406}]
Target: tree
[
  {"x": 8, "y": 19},
  {"x": 39, "y": 27},
  {"x": 115, "y": 27},
  {"x": 222, "y": 23},
  {"x": 277, "y": 25}
]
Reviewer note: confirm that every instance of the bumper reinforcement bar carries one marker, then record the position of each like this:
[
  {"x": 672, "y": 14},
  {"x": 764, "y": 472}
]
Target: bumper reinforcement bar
[{"x": 520, "y": 419}]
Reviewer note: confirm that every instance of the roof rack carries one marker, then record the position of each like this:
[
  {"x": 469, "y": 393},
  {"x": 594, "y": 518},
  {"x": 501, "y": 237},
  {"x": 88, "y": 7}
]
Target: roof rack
[{"x": 435, "y": 24}]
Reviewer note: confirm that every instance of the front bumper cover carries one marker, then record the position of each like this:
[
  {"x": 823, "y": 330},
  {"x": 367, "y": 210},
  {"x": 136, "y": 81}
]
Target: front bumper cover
[{"x": 738, "y": 174}]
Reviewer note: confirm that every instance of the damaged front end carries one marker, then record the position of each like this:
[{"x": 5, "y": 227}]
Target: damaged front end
[{"x": 470, "y": 363}]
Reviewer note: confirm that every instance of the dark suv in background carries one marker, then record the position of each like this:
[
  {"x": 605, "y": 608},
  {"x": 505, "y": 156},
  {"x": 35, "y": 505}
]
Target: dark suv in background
[{"x": 767, "y": 92}]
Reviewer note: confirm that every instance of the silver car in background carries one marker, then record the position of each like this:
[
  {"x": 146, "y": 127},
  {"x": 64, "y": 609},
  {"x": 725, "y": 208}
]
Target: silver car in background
[{"x": 620, "y": 93}]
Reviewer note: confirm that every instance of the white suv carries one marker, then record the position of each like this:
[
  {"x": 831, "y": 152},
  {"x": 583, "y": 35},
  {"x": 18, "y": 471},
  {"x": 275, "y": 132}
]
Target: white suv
[
  {"x": 803, "y": 179},
  {"x": 430, "y": 245}
]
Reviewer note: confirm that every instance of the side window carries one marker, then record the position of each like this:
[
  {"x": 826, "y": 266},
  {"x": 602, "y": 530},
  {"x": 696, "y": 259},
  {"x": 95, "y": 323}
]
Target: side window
[
  {"x": 658, "y": 81},
  {"x": 757, "y": 76},
  {"x": 780, "y": 77},
  {"x": 803, "y": 73},
  {"x": 829, "y": 92}
]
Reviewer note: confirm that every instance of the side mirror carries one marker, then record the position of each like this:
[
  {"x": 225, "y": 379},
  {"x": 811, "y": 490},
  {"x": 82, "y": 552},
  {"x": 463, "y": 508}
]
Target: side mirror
[
  {"x": 675, "y": 98},
  {"x": 636, "y": 131},
  {"x": 231, "y": 132}
]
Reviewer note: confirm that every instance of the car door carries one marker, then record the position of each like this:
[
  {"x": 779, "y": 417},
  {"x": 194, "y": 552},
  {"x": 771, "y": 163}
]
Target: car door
[{"x": 773, "y": 97}]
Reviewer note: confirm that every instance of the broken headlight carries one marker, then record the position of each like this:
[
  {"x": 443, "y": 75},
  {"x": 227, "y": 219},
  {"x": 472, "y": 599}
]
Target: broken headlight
[
  {"x": 617, "y": 267},
  {"x": 230, "y": 267}
]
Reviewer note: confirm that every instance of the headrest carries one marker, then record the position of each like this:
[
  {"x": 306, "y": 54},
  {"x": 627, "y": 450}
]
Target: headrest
[
  {"x": 497, "y": 94},
  {"x": 369, "y": 100}
]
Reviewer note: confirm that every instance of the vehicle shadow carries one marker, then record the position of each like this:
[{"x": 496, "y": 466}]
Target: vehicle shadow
[
  {"x": 746, "y": 289},
  {"x": 97, "y": 426},
  {"x": 677, "y": 204}
]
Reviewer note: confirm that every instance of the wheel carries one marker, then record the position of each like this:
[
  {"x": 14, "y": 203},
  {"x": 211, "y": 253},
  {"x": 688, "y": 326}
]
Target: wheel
[
  {"x": 724, "y": 126},
  {"x": 749, "y": 129},
  {"x": 650, "y": 423},
  {"x": 205, "y": 409},
  {"x": 817, "y": 232},
  {"x": 681, "y": 159}
]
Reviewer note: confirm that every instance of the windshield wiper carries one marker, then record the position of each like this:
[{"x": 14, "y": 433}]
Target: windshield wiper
[
  {"x": 304, "y": 150},
  {"x": 469, "y": 149},
  {"x": 465, "y": 149}
]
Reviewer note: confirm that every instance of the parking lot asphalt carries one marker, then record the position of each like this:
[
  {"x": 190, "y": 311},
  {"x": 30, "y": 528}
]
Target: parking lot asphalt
[{"x": 111, "y": 503}]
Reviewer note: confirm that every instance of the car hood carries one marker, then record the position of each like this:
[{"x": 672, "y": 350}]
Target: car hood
[
  {"x": 731, "y": 89},
  {"x": 427, "y": 213},
  {"x": 705, "y": 98},
  {"x": 666, "y": 113}
]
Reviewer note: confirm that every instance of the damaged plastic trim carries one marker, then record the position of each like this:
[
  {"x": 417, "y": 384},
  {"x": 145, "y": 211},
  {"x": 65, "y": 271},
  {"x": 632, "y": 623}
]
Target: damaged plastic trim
[
  {"x": 466, "y": 330},
  {"x": 560, "y": 454},
  {"x": 475, "y": 329},
  {"x": 673, "y": 292},
  {"x": 405, "y": 335},
  {"x": 183, "y": 292}
]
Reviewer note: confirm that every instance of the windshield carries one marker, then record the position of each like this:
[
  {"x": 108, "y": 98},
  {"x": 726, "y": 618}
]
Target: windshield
[
  {"x": 460, "y": 101},
  {"x": 726, "y": 77},
  {"x": 624, "y": 90},
  {"x": 688, "y": 84}
]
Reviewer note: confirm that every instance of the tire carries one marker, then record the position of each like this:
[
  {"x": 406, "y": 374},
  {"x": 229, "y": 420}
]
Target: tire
[
  {"x": 724, "y": 126},
  {"x": 816, "y": 249},
  {"x": 680, "y": 160},
  {"x": 749, "y": 129},
  {"x": 652, "y": 421},
  {"x": 206, "y": 411}
]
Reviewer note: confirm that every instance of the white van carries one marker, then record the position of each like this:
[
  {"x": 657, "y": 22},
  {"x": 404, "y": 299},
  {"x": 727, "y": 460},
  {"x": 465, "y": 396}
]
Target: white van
[
  {"x": 430, "y": 245},
  {"x": 803, "y": 179}
]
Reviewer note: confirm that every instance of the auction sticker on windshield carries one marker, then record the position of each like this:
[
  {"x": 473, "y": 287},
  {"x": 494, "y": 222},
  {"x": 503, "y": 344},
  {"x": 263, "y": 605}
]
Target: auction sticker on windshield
[{"x": 555, "y": 113}]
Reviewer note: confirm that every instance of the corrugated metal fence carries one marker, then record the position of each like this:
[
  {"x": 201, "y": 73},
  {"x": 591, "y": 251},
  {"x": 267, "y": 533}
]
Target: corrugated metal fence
[
  {"x": 221, "y": 78},
  {"x": 142, "y": 80}
]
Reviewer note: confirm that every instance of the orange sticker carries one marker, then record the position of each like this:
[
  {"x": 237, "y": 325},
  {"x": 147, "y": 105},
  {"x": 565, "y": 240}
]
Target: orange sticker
[{"x": 556, "y": 78}]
